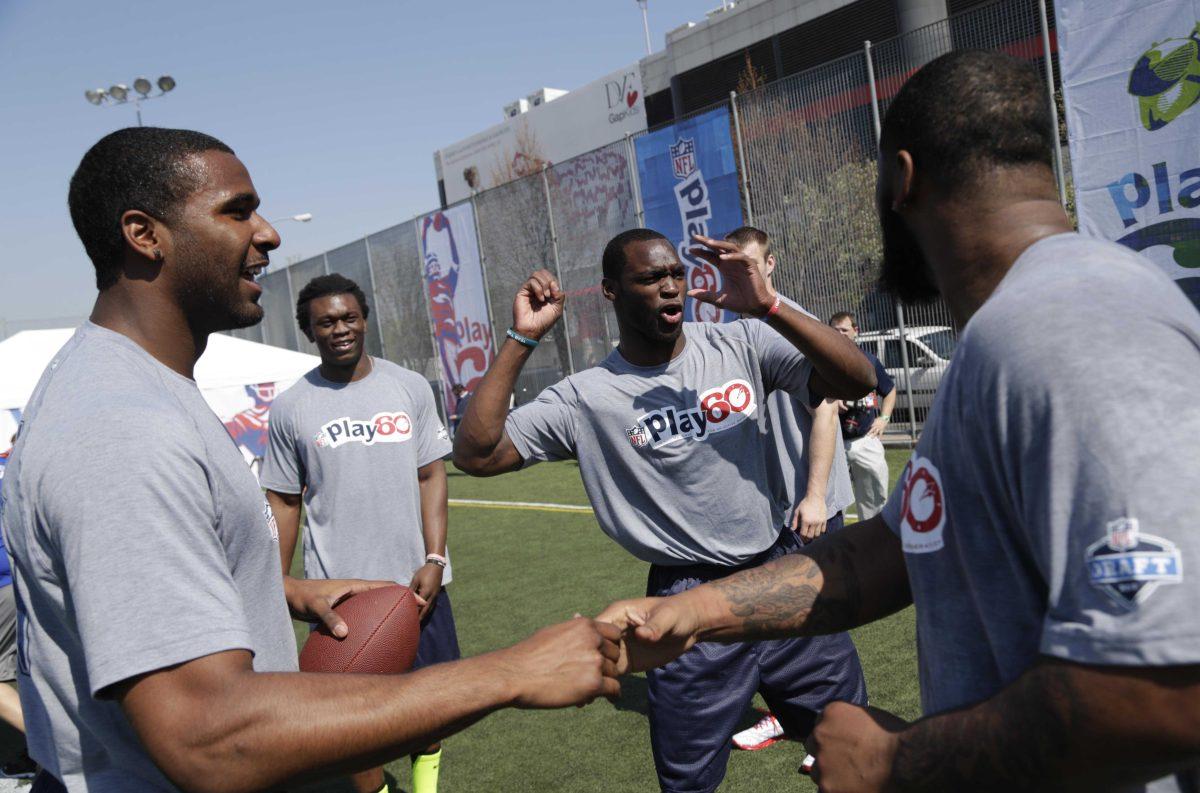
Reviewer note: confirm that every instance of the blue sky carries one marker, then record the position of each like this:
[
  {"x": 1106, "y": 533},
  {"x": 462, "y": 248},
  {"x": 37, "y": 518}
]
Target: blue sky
[{"x": 336, "y": 108}]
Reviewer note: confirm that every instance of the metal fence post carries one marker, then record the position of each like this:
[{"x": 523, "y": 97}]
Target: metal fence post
[
  {"x": 483, "y": 270},
  {"x": 295, "y": 326},
  {"x": 1059, "y": 172},
  {"x": 374, "y": 300},
  {"x": 737, "y": 130},
  {"x": 912, "y": 413},
  {"x": 566, "y": 328},
  {"x": 636, "y": 188}
]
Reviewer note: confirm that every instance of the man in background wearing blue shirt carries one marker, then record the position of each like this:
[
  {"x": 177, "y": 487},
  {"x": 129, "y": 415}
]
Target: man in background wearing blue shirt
[{"x": 863, "y": 424}]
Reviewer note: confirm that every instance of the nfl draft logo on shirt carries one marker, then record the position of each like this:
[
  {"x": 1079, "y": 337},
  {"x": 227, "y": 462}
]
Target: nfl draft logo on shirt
[
  {"x": 717, "y": 409},
  {"x": 922, "y": 508},
  {"x": 1128, "y": 565},
  {"x": 383, "y": 427}
]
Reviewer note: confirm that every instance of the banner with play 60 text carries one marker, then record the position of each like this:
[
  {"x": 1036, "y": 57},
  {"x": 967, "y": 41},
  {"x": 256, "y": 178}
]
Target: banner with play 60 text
[
  {"x": 1131, "y": 86},
  {"x": 458, "y": 307},
  {"x": 689, "y": 182}
]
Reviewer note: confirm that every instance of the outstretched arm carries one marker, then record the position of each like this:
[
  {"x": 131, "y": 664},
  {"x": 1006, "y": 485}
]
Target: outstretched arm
[
  {"x": 214, "y": 724},
  {"x": 851, "y": 578},
  {"x": 840, "y": 370},
  {"x": 1059, "y": 727},
  {"x": 481, "y": 447}
]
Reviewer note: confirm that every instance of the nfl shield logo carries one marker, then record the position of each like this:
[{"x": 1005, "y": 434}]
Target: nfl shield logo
[
  {"x": 637, "y": 436},
  {"x": 683, "y": 157}
]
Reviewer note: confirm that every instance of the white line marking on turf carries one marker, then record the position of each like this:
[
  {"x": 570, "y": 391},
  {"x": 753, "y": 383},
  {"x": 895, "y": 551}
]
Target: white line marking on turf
[{"x": 531, "y": 505}]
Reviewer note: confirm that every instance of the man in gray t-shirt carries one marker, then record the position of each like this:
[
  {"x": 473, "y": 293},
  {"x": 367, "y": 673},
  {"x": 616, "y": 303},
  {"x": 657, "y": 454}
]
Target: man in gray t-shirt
[
  {"x": 1043, "y": 529},
  {"x": 360, "y": 439},
  {"x": 154, "y": 646},
  {"x": 671, "y": 437}
]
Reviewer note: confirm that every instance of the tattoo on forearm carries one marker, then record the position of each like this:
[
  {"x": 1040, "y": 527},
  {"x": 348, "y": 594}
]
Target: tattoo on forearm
[
  {"x": 1011, "y": 742},
  {"x": 790, "y": 595}
]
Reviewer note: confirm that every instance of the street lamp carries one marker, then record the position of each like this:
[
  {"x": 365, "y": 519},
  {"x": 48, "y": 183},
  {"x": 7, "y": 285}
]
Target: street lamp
[
  {"x": 119, "y": 94},
  {"x": 645, "y": 23},
  {"x": 303, "y": 217}
]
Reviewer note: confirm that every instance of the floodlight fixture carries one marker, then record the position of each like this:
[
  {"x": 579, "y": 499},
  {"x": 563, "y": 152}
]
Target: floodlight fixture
[{"x": 118, "y": 94}]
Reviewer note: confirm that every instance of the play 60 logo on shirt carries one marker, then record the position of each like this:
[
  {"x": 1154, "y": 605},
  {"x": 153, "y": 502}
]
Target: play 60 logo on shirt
[
  {"x": 386, "y": 427},
  {"x": 716, "y": 410}
]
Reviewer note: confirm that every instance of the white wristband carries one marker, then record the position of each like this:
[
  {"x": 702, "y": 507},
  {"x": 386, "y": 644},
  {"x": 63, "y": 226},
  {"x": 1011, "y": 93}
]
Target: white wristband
[{"x": 438, "y": 559}]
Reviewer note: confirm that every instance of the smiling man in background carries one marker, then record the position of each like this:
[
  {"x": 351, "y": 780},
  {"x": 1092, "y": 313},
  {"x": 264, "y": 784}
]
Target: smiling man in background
[{"x": 358, "y": 439}]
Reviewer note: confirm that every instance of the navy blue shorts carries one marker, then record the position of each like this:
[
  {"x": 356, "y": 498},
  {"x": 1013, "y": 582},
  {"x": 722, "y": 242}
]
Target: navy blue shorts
[
  {"x": 439, "y": 637},
  {"x": 698, "y": 700}
]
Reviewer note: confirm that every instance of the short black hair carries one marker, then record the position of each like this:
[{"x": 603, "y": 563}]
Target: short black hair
[
  {"x": 614, "y": 260},
  {"x": 744, "y": 235},
  {"x": 140, "y": 168},
  {"x": 325, "y": 286},
  {"x": 838, "y": 317},
  {"x": 967, "y": 111}
]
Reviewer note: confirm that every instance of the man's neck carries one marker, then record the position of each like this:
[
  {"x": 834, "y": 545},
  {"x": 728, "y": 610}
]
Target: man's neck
[
  {"x": 335, "y": 373},
  {"x": 972, "y": 245},
  {"x": 154, "y": 323},
  {"x": 639, "y": 350}
]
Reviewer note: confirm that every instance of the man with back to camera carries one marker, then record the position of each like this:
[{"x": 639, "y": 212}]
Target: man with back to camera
[
  {"x": 360, "y": 439},
  {"x": 863, "y": 423},
  {"x": 806, "y": 468},
  {"x": 1050, "y": 551},
  {"x": 155, "y": 649},
  {"x": 668, "y": 431}
]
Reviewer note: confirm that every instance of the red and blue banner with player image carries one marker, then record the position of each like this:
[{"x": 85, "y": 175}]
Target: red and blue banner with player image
[
  {"x": 689, "y": 181},
  {"x": 458, "y": 304}
]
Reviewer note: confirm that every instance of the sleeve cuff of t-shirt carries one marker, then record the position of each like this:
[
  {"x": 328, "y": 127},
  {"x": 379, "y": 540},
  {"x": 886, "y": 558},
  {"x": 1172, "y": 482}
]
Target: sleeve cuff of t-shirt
[
  {"x": 438, "y": 452},
  {"x": 142, "y": 660},
  {"x": 281, "y": 487},
  {"x": 519, "y": 443},
  {"x": 1072, "y": 643}
]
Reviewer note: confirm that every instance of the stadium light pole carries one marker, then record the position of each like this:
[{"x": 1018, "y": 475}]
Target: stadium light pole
[
  {"x": 118, "y": 94},
  {"x": 642, "y": 4}
]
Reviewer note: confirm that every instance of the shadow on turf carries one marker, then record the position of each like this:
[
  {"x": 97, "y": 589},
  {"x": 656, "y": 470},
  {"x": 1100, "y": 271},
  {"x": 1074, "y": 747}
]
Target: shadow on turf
[{"x": 634, "y": 695}]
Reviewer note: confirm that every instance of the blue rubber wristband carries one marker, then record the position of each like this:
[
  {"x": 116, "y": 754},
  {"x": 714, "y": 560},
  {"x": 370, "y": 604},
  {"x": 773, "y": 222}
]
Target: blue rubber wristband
[{"x": 517, "y": 337}]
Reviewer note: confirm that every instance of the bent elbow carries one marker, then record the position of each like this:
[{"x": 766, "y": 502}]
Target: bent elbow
[{"x": 469, "y": 464}]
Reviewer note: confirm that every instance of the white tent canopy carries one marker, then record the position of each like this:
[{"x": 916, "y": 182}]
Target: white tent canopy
[{"x": 227, "y": 362}]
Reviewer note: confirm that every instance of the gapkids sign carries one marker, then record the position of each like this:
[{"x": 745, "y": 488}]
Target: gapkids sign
[
  {"x": 1131, "y": 83},
  {"x": 689, "y": 184}
]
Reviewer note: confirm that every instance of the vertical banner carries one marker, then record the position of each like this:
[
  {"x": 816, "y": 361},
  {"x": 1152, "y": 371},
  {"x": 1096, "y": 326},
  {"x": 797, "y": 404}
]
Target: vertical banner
[
  {"x": 245, "y": 411},
  {"x": 1131, "y": 84},
  {"x": 457, "y": 300},
  {"x": 688, "y": 175}
]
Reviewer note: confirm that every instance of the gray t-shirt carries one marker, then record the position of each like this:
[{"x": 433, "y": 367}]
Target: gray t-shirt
[
  {"x": 1050, "y": 507},
  {"x": 140, "y": 540},
  {"x": 789, "y": 424},
  {"x": 354, "y": 449},
  {"x": 673, "y": 457}
]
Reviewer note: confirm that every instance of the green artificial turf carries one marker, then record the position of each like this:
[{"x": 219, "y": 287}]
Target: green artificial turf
[{"x": 516, "y": 571}]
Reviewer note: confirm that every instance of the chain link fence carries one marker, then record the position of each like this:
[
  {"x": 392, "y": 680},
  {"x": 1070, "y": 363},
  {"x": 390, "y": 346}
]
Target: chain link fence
[{"x": 806, "y": 147}]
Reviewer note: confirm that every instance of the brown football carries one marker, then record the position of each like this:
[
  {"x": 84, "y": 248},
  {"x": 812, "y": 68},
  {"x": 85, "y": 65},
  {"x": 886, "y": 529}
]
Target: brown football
[{"x": 384, "y": 631}]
